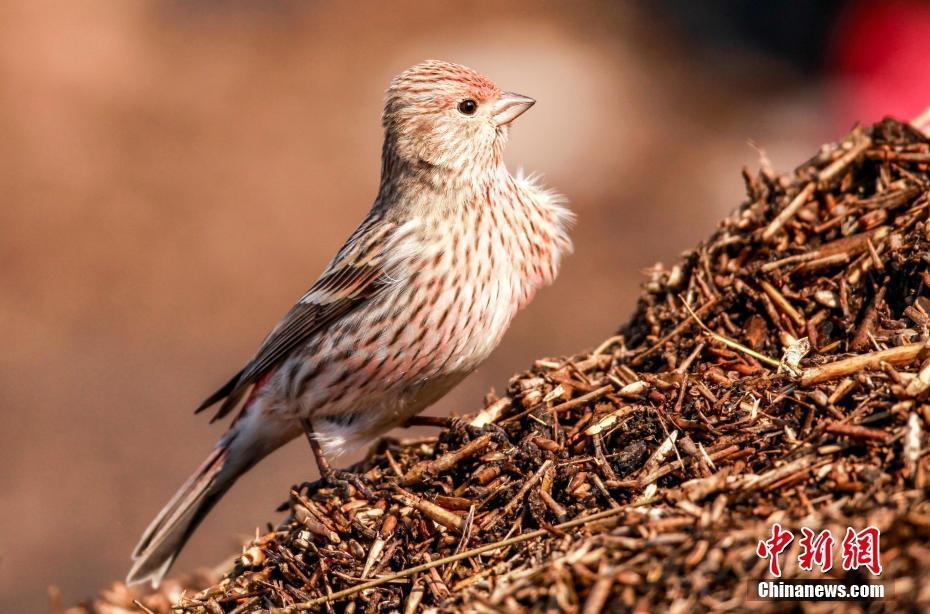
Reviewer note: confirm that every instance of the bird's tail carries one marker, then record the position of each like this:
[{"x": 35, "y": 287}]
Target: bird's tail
[
  {"x": 163, "y": 539},
  {"x": 247, "y": 442}
]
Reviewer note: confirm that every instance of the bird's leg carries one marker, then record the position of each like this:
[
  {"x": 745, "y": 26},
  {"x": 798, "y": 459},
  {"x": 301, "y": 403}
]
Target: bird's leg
[{"x": 335, "y": 477}]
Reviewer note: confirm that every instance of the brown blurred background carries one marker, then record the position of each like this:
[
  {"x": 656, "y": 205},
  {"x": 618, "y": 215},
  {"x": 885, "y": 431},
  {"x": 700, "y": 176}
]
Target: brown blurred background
[{"x": 173, "y": 175}]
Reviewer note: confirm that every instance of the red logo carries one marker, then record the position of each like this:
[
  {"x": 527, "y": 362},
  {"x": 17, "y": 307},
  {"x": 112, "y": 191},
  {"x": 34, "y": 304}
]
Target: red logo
[
  {"x": 862, "y": 549},
  {"x": 859, "y": 549},
  {"x": 816, "y": 550},
  {"x": 774, "y": 546}
]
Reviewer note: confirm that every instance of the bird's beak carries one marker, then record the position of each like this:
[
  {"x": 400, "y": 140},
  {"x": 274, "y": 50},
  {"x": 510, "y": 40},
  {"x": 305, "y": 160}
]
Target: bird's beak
[{"x": 510, "y": 106}]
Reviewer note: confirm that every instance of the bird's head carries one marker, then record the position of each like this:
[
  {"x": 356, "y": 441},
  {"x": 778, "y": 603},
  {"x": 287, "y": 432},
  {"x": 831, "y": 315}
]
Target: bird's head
[{"x": 448, "y": 116}]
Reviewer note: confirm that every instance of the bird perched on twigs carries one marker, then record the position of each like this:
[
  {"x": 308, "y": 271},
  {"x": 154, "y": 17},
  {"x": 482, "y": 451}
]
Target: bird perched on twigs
[{"x": 415, "y": 300}]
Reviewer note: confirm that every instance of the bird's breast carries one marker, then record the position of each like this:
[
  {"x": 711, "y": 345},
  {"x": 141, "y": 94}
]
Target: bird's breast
[{"x": 456, "y": 280}]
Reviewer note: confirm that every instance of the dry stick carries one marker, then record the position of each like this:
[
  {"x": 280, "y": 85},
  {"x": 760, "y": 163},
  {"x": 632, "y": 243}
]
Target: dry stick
[
  {"x": 416, "y": 596},
  {"x": 824, "y": 262},
  {"x": 545, "y": 489},
  {"x": 788, "y": 212},
  {"x": 141, "y": 606},
  {"x": 729, "y": 342},
  {"x": 876, "y": 259},
  {"x": 782, "y": 303},
  {"x": 756, "y": 482},
  {"x": 823, "y": 177},
  {"x": 429, "y": 469},
  {"x": 847, "y": 366},
  {"x": 502, "y": 513},
  {"x": 861, "y": 339},
  {"x": 840, "y": 164},
  {"x": 305, "y": 517},
  {"x": 899, "y": 156},
  {"x": 610, "y": 341},
  {"x": 384, "y": 534},
  {"x": 658, "y": 456},
  {"x": 594, "y": 394},
  {"x": 677, "y": 330},
  {"x": 796, "y": 259},
  {"x": 577, "y": 522},
  {"x": 600, "y": 591},
  {"x": 601, "y": 459},
  {"x": 858, "y": 432},
  {"x": 918, "y": 316},
  {"x": 686, "y": 363},
  {"x": 491, "y": 413},
  {"x": 834, "y": 252},
  {"x": 244, "y": 607},
  {"x": 438, "y": 514}
]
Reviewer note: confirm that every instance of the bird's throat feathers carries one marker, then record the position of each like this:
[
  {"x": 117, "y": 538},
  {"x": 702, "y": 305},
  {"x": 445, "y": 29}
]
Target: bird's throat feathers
[{"x": 465, "y": 170}]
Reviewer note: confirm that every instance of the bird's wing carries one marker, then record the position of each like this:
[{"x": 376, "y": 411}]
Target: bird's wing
[{"x": 358, "y": 272}]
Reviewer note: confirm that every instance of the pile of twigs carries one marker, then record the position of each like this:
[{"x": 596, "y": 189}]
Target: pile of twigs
[{"x": 778, "y": 373}]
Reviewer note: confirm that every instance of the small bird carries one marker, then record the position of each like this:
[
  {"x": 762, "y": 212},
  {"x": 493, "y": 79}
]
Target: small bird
[{"x": 419, "y": 295}]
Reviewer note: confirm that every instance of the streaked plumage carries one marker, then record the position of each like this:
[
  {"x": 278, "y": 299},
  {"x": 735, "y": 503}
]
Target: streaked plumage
[{"x": 419, "y": 295}]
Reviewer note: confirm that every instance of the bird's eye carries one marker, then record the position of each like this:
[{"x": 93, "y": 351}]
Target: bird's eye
[{"x": 468, "y": 107}]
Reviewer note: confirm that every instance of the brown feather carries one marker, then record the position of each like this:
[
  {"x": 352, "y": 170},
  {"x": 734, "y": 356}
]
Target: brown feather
[{"x": 354, "y": 277}]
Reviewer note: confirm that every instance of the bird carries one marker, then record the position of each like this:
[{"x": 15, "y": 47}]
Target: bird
[{"x": 419, "y": 295}]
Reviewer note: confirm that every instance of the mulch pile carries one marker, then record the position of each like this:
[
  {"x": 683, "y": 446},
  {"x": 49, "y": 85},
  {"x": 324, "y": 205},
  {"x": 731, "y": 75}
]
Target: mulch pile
[{"x": 778, "y": 373}]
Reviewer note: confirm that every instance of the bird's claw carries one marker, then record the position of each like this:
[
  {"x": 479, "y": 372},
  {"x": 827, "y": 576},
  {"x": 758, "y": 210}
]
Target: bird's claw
[
  {"x": 346, "y": 479},
  {"x": 496, "y": 432}
]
